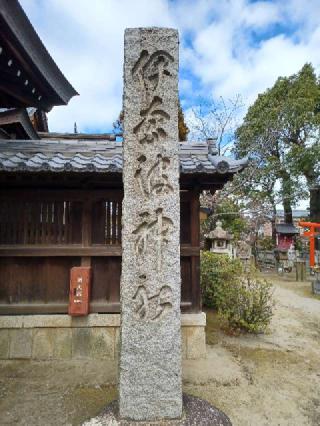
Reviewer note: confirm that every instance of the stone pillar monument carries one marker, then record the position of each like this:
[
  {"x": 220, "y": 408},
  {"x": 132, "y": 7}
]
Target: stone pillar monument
[{"x": 150, "y": 355}]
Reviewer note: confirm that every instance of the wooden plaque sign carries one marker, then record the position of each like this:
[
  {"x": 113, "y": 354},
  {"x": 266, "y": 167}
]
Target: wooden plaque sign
[{"x": 80, "y": 283}]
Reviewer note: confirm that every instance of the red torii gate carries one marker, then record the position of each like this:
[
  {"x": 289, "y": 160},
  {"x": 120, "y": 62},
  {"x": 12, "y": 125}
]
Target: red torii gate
[{"x": 312, "y": 233}]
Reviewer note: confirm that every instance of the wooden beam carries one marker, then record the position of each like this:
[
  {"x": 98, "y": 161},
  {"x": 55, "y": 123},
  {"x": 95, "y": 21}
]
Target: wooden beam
[
  {"x": 78, "y": 136},
  {"x": 62, "y": 308},
  {"x": 77, "y": 250},
  {"x": 65, "y": 194},
  {"x": 60, "y": 251},
  {"x": 195, "y": 243},
  {"x": 187, "y": 251}
]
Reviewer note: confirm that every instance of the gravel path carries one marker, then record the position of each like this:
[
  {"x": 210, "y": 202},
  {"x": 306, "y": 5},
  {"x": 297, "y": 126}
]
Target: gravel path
[
  {"x": 279, "y": 383},
  {"x": 265, "y": 380}
]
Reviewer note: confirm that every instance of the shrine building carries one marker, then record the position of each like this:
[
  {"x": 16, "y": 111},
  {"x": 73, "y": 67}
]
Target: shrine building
[{"x": 60, "y": 208}]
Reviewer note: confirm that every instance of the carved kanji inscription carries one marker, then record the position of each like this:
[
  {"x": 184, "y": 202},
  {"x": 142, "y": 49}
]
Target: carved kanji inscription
[
  {"x": 153, "y": 179},
  {"x": 151, "y": 127},
  {"x": 152, "y": 307},
  {"x": 150, "y": 70},
  {"x": 150, "y": 357}
]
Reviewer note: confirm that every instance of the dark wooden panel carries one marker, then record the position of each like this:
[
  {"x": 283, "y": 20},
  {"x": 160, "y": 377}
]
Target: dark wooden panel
[
  {"x": 185, "y": 221},
  {"x": 76, "y": 250},
  {"x": 59, "y": 194},
  {"x": 106, "y": 273},
  {"x": 33, "y": 308},
  {"x": 106, "y": 221},
  {"x": 40, "y": 222},
  {"x": 187, "y": 250},
  {"x": 51, "y": 231},
  {"x": 195, "y": 242},
  {"x": 99, "y": 222},
  {"x": 186, "y": 282},
  {"x": 35, "y": 279},
  {"x": 59, "y": 251},
  {"x": 114, "y": 205},
  {"x": 76, "y": 221}
]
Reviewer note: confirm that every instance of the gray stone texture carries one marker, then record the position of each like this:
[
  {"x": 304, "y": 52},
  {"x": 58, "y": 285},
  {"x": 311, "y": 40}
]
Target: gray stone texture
[
  {"x": 4, "y": 344},
  {"x": 97, "y": 343},
  {"x": 43, "y": 343},
  {"x": 150, "y": 357},
  {"x": 92, "y": 320},
  {"x": 196, "y": 343},
  {"x": 52, "y": 338},
  {"x": 63, "y": 343},
  {"x": 20, "y": 343},
  {"x": 102, "y": 343},
  {"x": 81, "y": 342}
]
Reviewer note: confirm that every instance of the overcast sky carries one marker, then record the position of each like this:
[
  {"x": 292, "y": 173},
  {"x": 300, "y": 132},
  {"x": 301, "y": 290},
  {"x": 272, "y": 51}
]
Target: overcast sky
[{"x": 226, "y": 47}]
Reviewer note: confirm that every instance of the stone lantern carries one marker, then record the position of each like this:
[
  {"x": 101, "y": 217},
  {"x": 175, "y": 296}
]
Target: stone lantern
[{"x": 220, "y": 241}]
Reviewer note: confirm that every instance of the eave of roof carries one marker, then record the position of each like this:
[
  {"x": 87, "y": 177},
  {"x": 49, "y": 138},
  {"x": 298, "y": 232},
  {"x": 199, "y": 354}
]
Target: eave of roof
[
  {"x": 30, "y": 48},
  {"x": 101, "y": 157},
  {"x": 286, "y": 228},
  {"x": 18, "y": 117},
  {"x": 78, "y": 136}
]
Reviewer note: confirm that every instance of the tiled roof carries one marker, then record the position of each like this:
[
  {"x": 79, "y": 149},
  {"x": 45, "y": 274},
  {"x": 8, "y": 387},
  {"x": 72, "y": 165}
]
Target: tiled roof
[
  {"x": 286, "y": 228},
  {"x": 295, "y": 213},
  {"x": 101, "y": 157}
]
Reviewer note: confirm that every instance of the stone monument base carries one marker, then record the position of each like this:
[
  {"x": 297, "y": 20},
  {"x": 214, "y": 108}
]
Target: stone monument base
[{"x": 197, "y": 412}]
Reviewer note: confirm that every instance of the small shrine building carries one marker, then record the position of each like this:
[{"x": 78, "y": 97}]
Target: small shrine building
[{"x": 61, "y": 206}]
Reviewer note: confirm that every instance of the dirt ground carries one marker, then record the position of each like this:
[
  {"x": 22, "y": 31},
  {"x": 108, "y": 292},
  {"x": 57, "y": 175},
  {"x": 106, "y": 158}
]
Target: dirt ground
[{"x": 270, "y": 379}]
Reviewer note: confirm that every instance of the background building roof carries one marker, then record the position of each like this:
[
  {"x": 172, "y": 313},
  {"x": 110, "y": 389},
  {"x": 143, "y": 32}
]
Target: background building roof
[
  {"x": 295, "y": 213},
  {"x": 101, "y": 156},
  {"x": 286, "y": 228}
]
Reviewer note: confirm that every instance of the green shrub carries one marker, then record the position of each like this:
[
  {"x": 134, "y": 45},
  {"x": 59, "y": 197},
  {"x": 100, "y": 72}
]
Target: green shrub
[
  {"x": 217, "y": 270},
  {"x": 266, "y": 243},
  {"x": 247, "y": 305},
  {"x": 244, "y": 300}
]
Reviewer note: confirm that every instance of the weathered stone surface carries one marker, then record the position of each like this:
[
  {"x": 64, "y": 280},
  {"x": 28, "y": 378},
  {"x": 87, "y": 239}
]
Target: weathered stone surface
[
  {"x": 63, "y": 343},
  {"x": 55, "y": 321},
  {"x": 150, "y": 359},
  {"x": 116, "y": 343},
  {"x": 196, "y": 342},
  {"x": 43, "y": 343},
  {"x": 20, "y": 343},
  {"x": 97, "y": 342},
  {"x": 194, "y": 320},
  {"x": 4, "y": 344},
  {"x": 184, "y": 343},
  {"x": 197, "y": 412},
  {"x": 81, "y": 342},
  {"x": 92, "y": 320},
  {"x": 12, "y": 321},
  {"x": 102, "y": 343}
]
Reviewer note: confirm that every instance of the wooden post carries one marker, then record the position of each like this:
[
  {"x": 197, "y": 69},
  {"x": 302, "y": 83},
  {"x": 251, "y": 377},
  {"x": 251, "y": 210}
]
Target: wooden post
[
  {"x": 195, "y": 243},
  {"x": 300, "y": 270}
]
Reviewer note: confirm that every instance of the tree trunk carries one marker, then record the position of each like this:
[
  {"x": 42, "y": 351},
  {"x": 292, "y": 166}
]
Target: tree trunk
[
  {"x": 273, "y": 228},
  {"x": 286, "y": 197},
  {"x": 274, "y": 214},
  {"x": 315, "y": 204},
  {"x": 314, "y": 191},
  {"x": 287, "y": 210},
  {"x": 273, "y": 222}
]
